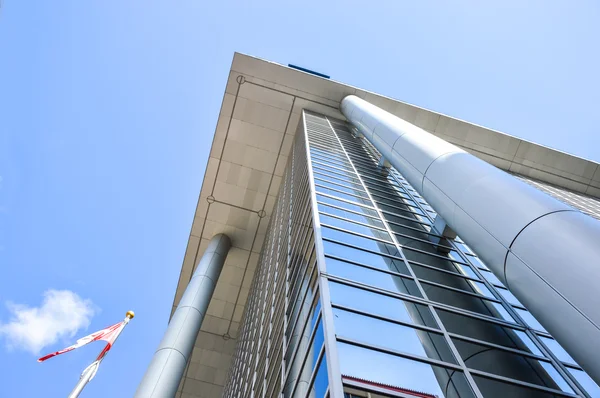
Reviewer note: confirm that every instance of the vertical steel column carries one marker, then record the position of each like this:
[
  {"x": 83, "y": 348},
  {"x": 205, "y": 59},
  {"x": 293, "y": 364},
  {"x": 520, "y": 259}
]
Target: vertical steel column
[{"x": 168, "y": 364}]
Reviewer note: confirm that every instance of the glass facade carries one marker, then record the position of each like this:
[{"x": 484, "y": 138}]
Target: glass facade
[{"x": 356, "y": 291}]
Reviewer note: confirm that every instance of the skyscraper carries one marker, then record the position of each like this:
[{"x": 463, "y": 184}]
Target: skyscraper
[{"x": 342, "y": 250}]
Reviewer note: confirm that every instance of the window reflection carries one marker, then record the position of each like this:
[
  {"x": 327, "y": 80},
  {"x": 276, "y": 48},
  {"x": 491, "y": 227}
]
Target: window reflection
[
  {"x": 351, "y": 226},
  {"x": 382, "y": 280},
  {"x": 391, "y": 336},
  {"x": 350, "y": 215},
  {"x": 359, "y": 241},
  {"x": 341, "y": 195},
  {"x": 381, "y": 305},
  {"x": 497, "y": 389},
  {"x": 346, "y": 205},
  {"x": 509, "y": 364},
  {"x": 586, "y": 382},
  {"x": 487, "y": 331},
  {"x": 530, "y": 320},
  {"x": 363, "y": 257},
  {"x": 402, "y": 373},
  {"x": 321, "y": 382},
  {"x": 557, "y": 350}
]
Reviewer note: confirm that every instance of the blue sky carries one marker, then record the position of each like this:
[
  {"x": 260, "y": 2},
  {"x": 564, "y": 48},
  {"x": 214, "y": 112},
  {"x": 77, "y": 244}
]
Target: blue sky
[{"x": 107, "y": 110}]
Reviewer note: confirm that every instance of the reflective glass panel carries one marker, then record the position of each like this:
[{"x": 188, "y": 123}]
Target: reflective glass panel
[
  {"x": 557, "y": 350},
  {"x": 321, "y": 383},
  {"x": 364, "y": 257},
  {"x": 391, "y": 336},
  {"x": 350, "y": 215},
  {"x": 509, "y": 364},
  {"x": 381, "y": 305},
  {"x": 497, "y": 389},
  {"x": 487, "y": 331},
  {"x": 354, "y": 227},
  {"x": 346, "y": 205},
  {"x": 402, "y": 373},
  {"x": 530, "y": 320},
  {"x": 359, "y": 241},
  {"x": 586, "y": 382},
  {"x": 382, "y": 280}
]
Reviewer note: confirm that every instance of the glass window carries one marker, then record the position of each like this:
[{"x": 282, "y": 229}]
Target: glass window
[
  {"x": 477, "y": 262},
  {"x": 363, "y": 257},
  {"x": 464, "y": 248},
  {"x": 557, "y": 350},
  {"x": 450, "y": 280},
  {"x": 508, "y": 296},
  {"x": 311, "y": 353},
  {"x": 530, "y": 320},
  {"x": 491, "y": 388},
  {"x": 417, "y": 230},
  {"x": 350, "y": 215},
  {"x": 467, "y": 302},
  {"x": 409, "y": 220},
  {"x": 586, "y": 382},
  {"x": 351, "y": 226},
  {"x": 350, "y": 206},
  {"x": 344, "y": 196},
  {"x": 509, "y": 364},
  {"x": 466, "y": 270},
  {"x": 391, "y": 336},
  {"x": 400, "y": 212},
  {"x": 438, "y": 260},
  {"x": 321, "y": 382},
  {"x": 339, "y": 187},
  {"x": 402, "y": 373},
  {"x": 487, "y": 331},
  {"x": 382, "y": 280},
  {"x": 335, "y": 177},
  {"x": 336, "y": 182},
  {"x": 491, "y": 278},
  {"x": 359, "y": 241},
  {"x": 381, "y": 305}
]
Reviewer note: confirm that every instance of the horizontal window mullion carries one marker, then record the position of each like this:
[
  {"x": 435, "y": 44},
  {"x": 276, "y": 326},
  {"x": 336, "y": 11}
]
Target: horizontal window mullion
[
  {"x": 423, "y": 240},
  {"x": 340, "y": 183},
  {"x": 350, "y": 211},
  {"x": 370, "y": 267},
  {"x": 402, "y": 354},
  {"x": 348, "y": 201},
  {"x": 354, "y": 221},
  {"x": 419, "y": 300},
  {"x": 499, "y": 347},
  {"x": 358, "y": 234},
  {"x": 454, "y": 289},
  {"x": 386, "y": 319},
  {"x": 519, "y": 382}
]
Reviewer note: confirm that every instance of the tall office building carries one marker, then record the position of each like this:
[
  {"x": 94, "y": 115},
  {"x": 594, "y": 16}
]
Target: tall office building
[{"x": 349, "y": 245}]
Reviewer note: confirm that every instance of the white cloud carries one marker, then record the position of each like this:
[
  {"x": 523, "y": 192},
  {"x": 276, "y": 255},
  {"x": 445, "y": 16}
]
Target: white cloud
[{"x": 61, "y": 314}]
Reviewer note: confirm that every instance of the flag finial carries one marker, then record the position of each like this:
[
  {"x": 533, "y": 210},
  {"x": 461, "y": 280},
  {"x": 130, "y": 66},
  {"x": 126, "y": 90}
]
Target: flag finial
[{"x": 130, "y": 314}]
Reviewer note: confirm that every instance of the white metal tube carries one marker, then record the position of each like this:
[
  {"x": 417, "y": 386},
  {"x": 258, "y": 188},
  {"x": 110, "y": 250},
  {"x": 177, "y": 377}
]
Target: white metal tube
[
  {"x": 85, "y": 378},
  {"x": 168, "y": 364},
  {"x": 546, "y": 253}
]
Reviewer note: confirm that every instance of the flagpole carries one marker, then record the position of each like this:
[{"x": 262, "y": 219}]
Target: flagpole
[{"x": 89, "y": 372}]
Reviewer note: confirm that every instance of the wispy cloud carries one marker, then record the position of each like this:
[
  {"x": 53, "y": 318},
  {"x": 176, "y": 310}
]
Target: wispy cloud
[{"x": 61, "y": 314}]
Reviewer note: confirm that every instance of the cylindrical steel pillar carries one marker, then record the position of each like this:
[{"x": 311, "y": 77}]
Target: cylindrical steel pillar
[
  {"x": 168, "y": 364},
  {"x": 546, "y": 252}
]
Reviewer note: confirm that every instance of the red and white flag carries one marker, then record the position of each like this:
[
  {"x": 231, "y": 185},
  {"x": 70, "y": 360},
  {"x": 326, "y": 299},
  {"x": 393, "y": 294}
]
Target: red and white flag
[{"x": 108, "y": 334}]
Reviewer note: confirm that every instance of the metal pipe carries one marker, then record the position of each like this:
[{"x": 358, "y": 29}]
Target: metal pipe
[
  {"x": 544, "y": 251},
  {"x": 168, "y": 364}
]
